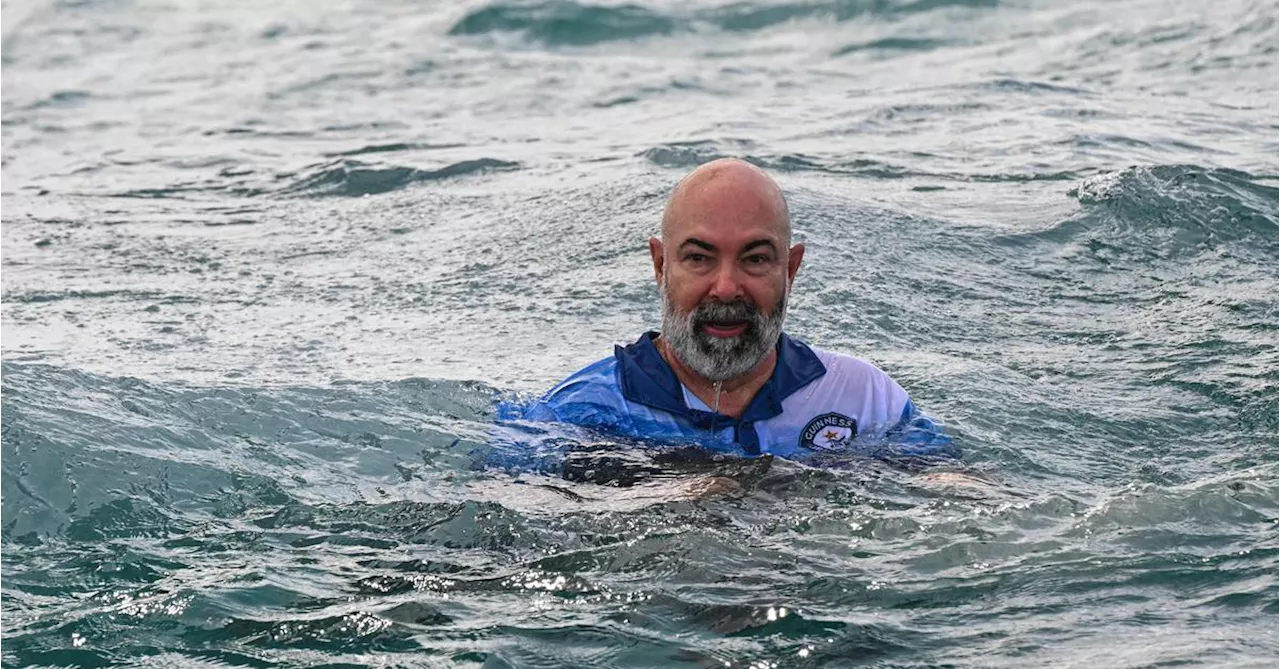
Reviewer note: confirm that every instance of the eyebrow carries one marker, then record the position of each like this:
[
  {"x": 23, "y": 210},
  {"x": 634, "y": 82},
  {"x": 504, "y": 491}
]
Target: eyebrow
[
  {"x": 707, "y": 246},
  {"x": 758, "y": 243}
]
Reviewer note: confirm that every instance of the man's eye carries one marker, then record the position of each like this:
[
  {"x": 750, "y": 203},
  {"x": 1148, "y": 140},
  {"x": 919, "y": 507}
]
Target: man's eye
[
  {"x": 697, "y": 257},
  {"x": 757, "y": 259}
]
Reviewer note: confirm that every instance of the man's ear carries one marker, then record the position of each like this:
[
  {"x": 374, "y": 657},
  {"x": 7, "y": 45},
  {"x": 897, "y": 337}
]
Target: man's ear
[
  {"x": 794, "y": 256},
  {"x": 655, "y": 252}
]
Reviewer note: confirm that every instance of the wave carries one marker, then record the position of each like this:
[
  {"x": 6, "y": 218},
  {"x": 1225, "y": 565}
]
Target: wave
[
  {"x": 88, "y": 455},
  {"x": 343, "y": 177},
  {"x": 353, "y": 178},
  {"x": 894, "y": 44},
  {"x": 688, "y": 155},
  {"x": 395, "y": 147},
  {"x": 1203, "y": 206},
  {"x": 569, "y": 23},
  {"x": 743, "y": 16},
  {"x": 69, "y": 98},
  {"x": 1171, "y": 210}
]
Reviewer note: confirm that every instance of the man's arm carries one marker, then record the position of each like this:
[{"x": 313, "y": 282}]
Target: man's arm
[{"x": 918, "y": 441}]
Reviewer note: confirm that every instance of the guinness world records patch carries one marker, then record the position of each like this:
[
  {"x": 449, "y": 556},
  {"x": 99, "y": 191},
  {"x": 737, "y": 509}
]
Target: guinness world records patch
[{"x": 829, "y": 432}]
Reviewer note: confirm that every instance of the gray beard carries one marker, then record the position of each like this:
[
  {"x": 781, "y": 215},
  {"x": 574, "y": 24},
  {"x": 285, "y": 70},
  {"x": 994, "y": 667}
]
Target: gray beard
[{"x": 719, "y": 359}]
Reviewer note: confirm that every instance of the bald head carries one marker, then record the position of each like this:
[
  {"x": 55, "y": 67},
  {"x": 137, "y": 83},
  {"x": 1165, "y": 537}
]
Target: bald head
[{"x": 727, "y": 187}]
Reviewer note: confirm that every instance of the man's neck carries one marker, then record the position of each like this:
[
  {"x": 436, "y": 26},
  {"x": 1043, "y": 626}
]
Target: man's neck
[{"x": 734, "y": 394}]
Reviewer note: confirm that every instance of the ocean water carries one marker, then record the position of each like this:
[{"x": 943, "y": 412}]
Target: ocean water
[{"x": 267, "y": 266}]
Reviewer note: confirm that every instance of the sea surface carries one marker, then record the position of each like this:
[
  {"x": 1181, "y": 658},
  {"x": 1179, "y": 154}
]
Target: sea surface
[{"x": 267, "y": 266}]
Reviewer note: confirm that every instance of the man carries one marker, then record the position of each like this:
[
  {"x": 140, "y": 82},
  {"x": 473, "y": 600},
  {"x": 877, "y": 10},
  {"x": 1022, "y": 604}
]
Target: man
[{"x": 722, "y": 374}]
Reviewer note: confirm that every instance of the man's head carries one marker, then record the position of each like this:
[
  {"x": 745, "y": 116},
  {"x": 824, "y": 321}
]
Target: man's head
[{"x": 724, "y": 265}]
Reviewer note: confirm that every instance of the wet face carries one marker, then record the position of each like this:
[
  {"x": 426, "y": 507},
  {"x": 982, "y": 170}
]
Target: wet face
[{"x": 724, "y": 271}]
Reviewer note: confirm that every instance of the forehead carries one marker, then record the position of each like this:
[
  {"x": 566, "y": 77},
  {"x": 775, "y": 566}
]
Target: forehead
[{"x": 727, "y": 212}]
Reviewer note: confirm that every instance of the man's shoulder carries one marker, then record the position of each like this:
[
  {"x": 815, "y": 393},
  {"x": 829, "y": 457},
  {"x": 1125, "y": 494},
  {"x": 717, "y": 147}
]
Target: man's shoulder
[
  {"x": 853, "y": 383},
  {"x": 590, "y": 396},
  {"x": 845, "y": 368},
  {"x": 596, "y": 378}
]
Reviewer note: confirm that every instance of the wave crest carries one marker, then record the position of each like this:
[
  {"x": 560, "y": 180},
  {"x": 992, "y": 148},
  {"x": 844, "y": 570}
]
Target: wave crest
[{"x": 353, "y": 178}]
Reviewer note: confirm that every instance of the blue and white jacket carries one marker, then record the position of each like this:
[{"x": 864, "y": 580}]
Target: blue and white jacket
[{"x": 816, "y": 406}]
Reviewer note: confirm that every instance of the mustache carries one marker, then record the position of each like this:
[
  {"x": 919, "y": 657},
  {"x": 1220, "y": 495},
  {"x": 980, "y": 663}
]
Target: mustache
[{"x": 734, "y": 311}]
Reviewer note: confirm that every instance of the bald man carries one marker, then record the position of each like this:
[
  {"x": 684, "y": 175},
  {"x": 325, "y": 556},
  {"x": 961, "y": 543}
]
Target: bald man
[{"x": 722, "y": 374}]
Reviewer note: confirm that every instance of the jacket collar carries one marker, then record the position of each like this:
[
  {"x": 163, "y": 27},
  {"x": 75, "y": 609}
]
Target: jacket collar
[{"x": 647, "y": 379}]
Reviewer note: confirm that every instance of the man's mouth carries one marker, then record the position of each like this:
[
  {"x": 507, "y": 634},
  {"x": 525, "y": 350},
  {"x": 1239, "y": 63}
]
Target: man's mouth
[{"x": 725, "y": 329}]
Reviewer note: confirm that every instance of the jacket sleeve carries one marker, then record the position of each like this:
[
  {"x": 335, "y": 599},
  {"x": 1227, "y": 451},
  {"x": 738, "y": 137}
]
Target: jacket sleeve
[
  {"x": 526, "y": 437},
  {"x": 918, "y": 441}
]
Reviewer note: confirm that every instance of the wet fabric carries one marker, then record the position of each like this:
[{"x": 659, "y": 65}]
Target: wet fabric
[{"x": 815, "y": 405}]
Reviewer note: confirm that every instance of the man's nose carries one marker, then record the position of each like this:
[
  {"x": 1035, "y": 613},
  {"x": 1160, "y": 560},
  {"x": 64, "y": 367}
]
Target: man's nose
[{"x": 725, "y": 285}]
